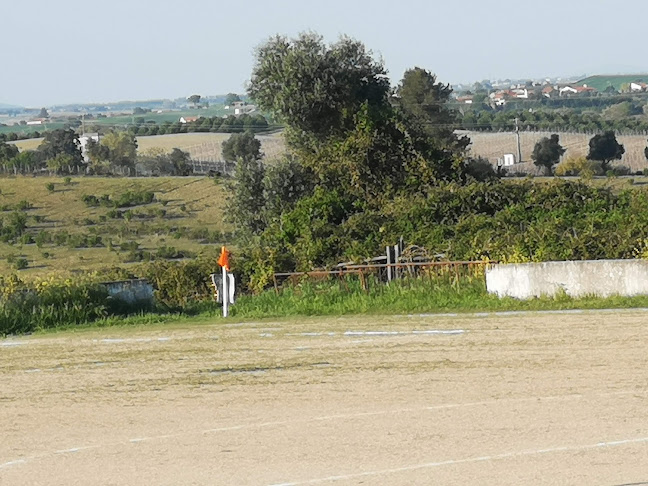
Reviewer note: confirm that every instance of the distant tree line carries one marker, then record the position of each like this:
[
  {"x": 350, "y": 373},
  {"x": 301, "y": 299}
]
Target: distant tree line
[
  {"x": 143, "y": 127},
  {"x": 619, "y": 117},
  {"x": 115, "y": 154}
]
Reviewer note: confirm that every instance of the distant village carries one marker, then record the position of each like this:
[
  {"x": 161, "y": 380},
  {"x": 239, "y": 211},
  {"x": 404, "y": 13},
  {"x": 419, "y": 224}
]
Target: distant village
[{"x": 499, "y": 93}]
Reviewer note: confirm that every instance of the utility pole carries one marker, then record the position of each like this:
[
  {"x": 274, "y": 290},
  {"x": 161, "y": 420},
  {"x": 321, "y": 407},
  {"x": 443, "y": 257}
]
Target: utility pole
[{"x": 517, "y": 134}]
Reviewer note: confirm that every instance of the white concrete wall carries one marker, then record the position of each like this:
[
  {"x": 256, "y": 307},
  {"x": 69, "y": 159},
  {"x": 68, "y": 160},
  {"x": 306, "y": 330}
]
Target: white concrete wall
[{"x": 578, "y": 278}]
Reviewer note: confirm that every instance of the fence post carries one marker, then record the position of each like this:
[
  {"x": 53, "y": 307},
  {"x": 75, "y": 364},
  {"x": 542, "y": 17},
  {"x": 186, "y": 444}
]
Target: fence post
[{"x": 389, "y": 262}]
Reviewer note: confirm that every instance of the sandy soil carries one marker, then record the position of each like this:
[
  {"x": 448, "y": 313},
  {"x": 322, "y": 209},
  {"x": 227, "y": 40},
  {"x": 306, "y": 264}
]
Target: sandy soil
[{"x": 516, "y": 399}]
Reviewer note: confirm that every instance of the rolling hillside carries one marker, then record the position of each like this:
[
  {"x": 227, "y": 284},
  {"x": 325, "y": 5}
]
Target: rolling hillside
[
  {"x": 185, "y": 218},
  {"x": 600, "y": 82}
]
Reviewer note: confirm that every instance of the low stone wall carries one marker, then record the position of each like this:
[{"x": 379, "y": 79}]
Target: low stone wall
[
  {"x": 577, "y": 278},
  {"x": 131, "y": 291}
]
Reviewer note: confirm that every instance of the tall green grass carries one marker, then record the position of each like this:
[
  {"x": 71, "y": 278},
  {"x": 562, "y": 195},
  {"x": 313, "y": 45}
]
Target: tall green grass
[
  {"x": 67, "y": 305},
  {"x": 420, "y": 295}
]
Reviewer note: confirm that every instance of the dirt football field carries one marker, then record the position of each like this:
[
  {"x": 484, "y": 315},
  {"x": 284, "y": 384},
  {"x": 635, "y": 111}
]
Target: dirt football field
[{"x": 510, "y": 399}]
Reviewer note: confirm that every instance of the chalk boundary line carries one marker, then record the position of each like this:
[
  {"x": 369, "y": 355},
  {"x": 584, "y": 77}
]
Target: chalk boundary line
[
  {"x": 15, "y": 340},
  {"x": 505, "y": 455},
  {"x": 574, "y": 396}
]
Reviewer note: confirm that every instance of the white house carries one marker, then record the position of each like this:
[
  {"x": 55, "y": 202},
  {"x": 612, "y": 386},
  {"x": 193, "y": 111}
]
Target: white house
[
  {"x": 638, "y": 86},
  {"x": 188, "y": 119},
  {"x": 37, "y": 121},
  {"x": 242, "y": 108},
  {"x": 506, "y": 161},
  {"x": 575, "y": 90}
]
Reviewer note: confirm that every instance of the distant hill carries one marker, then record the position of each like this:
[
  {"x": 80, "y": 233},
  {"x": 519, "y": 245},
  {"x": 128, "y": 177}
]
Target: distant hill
[
  {"x": 600, "y": 82},
  {"x": 5, "y": 106}
]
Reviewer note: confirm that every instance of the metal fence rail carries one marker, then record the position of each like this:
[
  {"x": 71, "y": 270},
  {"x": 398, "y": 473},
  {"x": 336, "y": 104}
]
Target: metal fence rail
[{"x": 384, "y": 272}]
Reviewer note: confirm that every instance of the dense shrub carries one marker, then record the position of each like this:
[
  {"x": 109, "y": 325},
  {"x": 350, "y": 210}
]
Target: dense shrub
[
  {"x": 26, "y": 307},
  {"x": 509, "y": 221}
]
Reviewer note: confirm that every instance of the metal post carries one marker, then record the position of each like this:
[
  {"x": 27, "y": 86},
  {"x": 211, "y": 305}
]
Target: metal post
[
  {"x": 389, "y": 262},
  {"x": 396, "y": 258},
  {"x": 519, "y": 147},
  {"x": 225, "y": 294}
]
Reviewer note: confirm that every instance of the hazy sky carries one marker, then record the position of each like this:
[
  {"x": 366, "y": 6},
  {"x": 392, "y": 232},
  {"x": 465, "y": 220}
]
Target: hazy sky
[{"x": 62, "y": 51}]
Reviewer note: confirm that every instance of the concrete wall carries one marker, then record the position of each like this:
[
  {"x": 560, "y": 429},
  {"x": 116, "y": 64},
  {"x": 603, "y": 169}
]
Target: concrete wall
[
  {"x": 577, "y": 278},
  {"x": 131, "y": 291}
]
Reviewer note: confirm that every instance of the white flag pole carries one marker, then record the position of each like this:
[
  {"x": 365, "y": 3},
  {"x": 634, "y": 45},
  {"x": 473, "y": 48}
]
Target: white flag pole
[{"x": 225, "y": 293}]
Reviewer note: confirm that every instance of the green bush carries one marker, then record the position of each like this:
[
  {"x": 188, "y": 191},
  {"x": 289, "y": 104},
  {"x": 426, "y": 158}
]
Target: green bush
[{"x": 21, "y": 264}]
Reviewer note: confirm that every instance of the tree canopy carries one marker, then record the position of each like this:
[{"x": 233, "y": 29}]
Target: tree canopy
[
  {"x": 420, "y": 95},
  {"x": 605, "y": 148},
  {"x": 194, "y": 99},
  {"x": 547, "y": 152},
  {"x": 7, "y": 151},
  {"x": 316, "y": 88},
  {"x": 241, "y": 146},
  {"x": 231, "y": 98},
  {"x": 62, "y": 141}
]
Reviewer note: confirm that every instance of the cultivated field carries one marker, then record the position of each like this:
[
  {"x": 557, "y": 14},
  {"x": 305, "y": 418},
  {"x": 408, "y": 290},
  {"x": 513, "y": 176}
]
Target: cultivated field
[
  {"x": 201, "y": 146},
  {"x": 494, "y": 145},
  {"x": 506, "y": 400},
  {"x": 207, "y": 146}
]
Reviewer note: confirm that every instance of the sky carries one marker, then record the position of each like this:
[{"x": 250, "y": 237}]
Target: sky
[{"x": 68, "y": 51}]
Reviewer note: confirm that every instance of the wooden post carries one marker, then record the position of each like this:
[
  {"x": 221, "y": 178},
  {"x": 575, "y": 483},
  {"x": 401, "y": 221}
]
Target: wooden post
[{"x": 389, "y": 262}]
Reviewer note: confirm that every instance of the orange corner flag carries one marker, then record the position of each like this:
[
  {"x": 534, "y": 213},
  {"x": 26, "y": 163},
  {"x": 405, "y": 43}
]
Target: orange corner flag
[{"x": 223, "y": 260}]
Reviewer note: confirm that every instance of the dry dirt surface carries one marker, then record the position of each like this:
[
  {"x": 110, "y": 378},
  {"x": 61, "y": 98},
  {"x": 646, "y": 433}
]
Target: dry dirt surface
[{"x": 553, "y": 398}]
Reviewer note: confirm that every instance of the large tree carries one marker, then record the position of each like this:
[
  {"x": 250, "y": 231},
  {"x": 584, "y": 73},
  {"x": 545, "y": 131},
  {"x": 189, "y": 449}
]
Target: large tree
[
  {"x": 420, "y": 95},
  {"x": 316, "y": 88},
  {"x": 194, "y": 99},
  {"x": 241, "y": 146},
  {"x": 341, "y": 124},
  {"x": 605, "y": 148},
  {"x": 547, "y": 153},
  {"x": 7, "y": 151},
  {"x": 62, "y": 142},
  {"x": 122, "y": 148},
  {"x": 231, "y": 98}
]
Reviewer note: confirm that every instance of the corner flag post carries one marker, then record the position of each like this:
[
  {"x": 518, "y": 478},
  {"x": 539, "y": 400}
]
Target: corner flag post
[{"x": 223, "y": 261}]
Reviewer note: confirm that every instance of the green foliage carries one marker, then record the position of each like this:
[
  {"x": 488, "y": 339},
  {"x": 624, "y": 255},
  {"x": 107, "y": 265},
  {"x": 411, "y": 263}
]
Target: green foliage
[
  {"x": 605, "y": 148},
  {"x": 242, "y": 146},
  {"x": 124, "y": 200},
  {"x": 21, "y": 264},
  {"x": 178, "y": 284},
  {"x": 231, "y": 98},
  {"x": 61, "y": 145},
  {"x": 421, "y": 96},
  {"x": 50, "y": 187},
  {"x": 314, "y": 88},
  {"x": 7, "y": 151},
  {"x": 121, "y": 149},
  {"x": 547, "y": 152},
  {"x": 27, "y": 307},
  {"x": 522, "y": 221},
  {"x": 245, "y": 207},
  {"x": 13, "y": 226},
  {"x": 579, "y": 166}
]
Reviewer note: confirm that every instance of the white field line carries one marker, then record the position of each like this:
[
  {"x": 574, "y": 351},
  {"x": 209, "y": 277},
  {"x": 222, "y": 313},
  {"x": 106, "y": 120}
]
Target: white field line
[
  {"x": 347, "y": 416},
  {"x": 530, "y": 313},
  {"x": 506, "y": 455},
  {"x": 373, "y": 333}
]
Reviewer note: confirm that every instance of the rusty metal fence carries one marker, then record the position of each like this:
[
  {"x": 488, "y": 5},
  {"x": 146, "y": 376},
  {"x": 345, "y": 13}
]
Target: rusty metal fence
[{"x": 384, "y": 273}]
